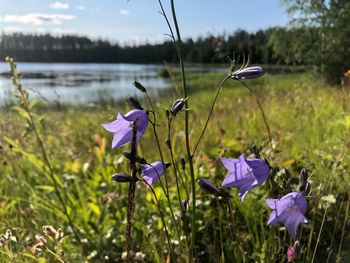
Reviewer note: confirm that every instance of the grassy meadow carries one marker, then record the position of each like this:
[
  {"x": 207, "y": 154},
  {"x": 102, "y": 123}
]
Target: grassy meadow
[{"x": 310, "y": 128}]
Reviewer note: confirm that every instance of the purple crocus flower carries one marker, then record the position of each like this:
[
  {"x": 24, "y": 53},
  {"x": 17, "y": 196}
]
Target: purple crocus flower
[
  {"x": 151, "y": 172},
  {"x": 245, "y": 174},
  {"x": 122, "y": 127},
  {"x": 288, "y": 210},
  {"x": 248, "y": 73}
]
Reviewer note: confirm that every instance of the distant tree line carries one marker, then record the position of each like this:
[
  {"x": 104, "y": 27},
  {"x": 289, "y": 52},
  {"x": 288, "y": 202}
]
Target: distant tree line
[{"x": 262, "y": 46}]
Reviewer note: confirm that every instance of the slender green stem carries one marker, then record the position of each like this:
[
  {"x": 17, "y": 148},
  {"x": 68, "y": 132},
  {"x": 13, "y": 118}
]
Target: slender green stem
[
  {"x": 210, "y": 113},
  {"x": 25, "y": 105},
  {"x": 326, "y": 210},
  {"x": 343, "y": 230},
  {"x": 173, "y": 160},
  {"x": 154, "y": 124},
  {"x": 164, "y": 188},
  {"x": 335, "y": 229},
  {"x": 131, "y": 192},
  {"x": 261, "y": 110},
  {"x": 162, "y": 217},
  {"x": 187, "y": 137}
]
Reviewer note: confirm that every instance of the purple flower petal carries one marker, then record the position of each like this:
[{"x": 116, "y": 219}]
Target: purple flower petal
[
  {"x": 245, "y": 174},
  {"x": 153, "y": 171},
  {"x": 288, "y": 210},
  {"x": 122, "y": 127},
  {"x": 248, "y": 73}
]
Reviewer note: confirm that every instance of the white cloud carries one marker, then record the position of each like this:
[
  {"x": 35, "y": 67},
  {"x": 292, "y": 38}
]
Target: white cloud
[
  {"x": 36, "y": 19},
  {"x": 59, "y": 5},
  {"x": 12, "y": 29},
  {"x": 81, "y": 7},
  {"x": 124, "y": 12}
]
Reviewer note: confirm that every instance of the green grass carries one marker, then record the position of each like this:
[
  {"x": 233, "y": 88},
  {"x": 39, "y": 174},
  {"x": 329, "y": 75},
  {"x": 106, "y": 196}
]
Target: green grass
[{"x": 310, "y": 126}]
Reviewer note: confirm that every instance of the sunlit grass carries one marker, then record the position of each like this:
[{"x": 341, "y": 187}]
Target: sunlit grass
[{"x": 310, "y": 127}]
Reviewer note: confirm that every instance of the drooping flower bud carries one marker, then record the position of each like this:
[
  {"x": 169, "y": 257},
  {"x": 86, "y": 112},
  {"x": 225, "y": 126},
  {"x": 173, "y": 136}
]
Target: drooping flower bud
[
  {"x": 209, "y": 187},
  {"x": 293, "y": 252},
  {"x": 122, "y": 178},
  {"x": 307, "y": 189},
  {"x": 183, "y": 163},
  {"x": 140, "y": 160},
  {"x": 248, "y": 73},
  {"x": 183, "y": 204},
  {"x": 133, "y": 102},
  {"x": 139, "y": 86},
  {"x": 303, "y": 179},
  {"x": 177, "y": 106},
  {"x": 255, "y": 150}
]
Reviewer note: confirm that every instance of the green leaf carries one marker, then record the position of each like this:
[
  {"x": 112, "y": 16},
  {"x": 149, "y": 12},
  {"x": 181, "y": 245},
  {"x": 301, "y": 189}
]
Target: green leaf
[
  {"x": 95, "y": 209},
  {"x": 22, "y": 112},
  {"x": 48, "y": 188}
]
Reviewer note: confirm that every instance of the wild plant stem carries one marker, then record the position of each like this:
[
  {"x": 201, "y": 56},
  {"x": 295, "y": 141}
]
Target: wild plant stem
[
  {"x": 173, "y": 160},
  {"x": 166, "y": 188},
  {"x": 162, "y": 217},
  {"x": 154, "y": 124},
  {"x": 25, "y": 105},
  {"x": 261, "y": 110},
  {"x": 335, "y": 228},
  {"x": 343, "y": 229},
  {"x": 326, "y": 209},
  {"x": 210, "y": 113},
  {"x": 187, "y": 137},
  {"x": 131, "y": 192}
]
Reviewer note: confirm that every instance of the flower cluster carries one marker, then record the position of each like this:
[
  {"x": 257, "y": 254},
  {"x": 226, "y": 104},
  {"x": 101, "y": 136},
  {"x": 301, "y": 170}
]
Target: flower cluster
[
  {"x": 246, "y": 174},
  {"x": 122, "y": 128}
]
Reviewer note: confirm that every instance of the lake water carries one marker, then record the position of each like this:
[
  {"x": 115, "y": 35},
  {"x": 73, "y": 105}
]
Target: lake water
[{"x": 81, "y": 83}]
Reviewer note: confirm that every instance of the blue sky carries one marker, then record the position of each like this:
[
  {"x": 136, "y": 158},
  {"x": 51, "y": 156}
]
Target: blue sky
[{"x": 138, "y": 20}]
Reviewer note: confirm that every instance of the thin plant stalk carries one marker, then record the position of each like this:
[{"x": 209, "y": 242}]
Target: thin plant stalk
[
  {"x": 210, "y": 113},
  {"x": 173, "y": 159},
  {"x": 154, "y": 125},
  {"x": 326, "y": 209},
  {"x": 187, "y": 136},
  {"x": 335, "y": 228},
  {"x": 162, "y": 217},
  {"x": 343, "y": 229},
  {"x": 131, "y": 192},
  {"x": 261, "y": 110},
  {"x": 26, "y": 107},
  {"x": 165, "y": 188}
]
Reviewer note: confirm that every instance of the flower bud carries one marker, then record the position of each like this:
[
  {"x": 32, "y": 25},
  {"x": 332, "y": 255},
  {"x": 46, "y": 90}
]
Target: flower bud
[
  {"x": 248, "y": 73},
  {"x": 122, "y": 178},
  {"x": 303, "y": 179},
  {"x": 293, "y": 252},
  {"x": 209, "y": 187},
  {"x": 133, "y": 102},
  {"x": 307, "y": 189},
  {"x": 255, "y": 150},
  {"x": 177, "y": 106},
  {"x": 140, "y": 160},
  {"x": 183, "y": 205},
  {"x": 139, "y": 86},
  {"x": 183, "y": 163}
]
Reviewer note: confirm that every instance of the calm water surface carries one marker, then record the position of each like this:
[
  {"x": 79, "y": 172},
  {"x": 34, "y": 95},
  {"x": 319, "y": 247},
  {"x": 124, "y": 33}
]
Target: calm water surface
[{"x": 81, "y": 83}]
